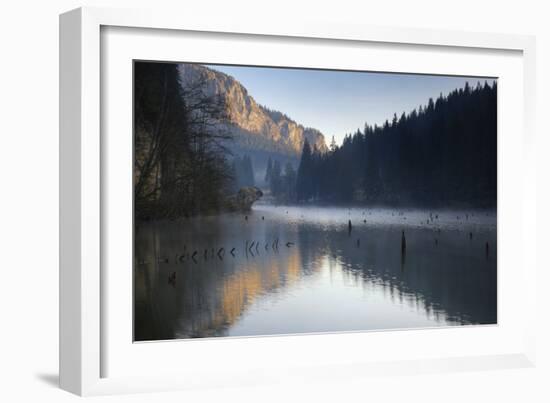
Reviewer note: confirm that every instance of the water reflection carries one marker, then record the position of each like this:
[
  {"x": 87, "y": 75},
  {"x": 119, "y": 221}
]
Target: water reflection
[{"x": 303, "y": 270}]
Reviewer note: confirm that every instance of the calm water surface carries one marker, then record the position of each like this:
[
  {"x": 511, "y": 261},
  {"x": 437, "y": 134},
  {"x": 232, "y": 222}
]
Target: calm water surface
[{"x": 306, "y": 272}]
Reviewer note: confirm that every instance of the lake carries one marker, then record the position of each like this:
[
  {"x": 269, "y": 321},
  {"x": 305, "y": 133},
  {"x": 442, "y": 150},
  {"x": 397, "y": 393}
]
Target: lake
[{"x": 288, "y": 269}]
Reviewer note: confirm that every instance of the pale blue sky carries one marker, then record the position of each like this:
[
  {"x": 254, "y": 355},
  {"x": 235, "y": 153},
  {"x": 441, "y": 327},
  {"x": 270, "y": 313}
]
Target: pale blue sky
[{"x": 339, "y": 102}]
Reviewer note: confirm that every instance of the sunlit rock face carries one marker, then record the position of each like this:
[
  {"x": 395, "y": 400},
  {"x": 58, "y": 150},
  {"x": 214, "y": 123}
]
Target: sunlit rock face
[{"x": 253, "y": 126}]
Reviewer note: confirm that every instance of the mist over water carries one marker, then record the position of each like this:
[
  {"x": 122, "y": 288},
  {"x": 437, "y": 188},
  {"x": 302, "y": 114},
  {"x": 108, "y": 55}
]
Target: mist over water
[{"x": 301, "y": 270}]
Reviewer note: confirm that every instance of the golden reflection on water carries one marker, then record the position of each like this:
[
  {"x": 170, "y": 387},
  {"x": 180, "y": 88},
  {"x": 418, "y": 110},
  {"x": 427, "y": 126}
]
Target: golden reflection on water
[{"x": 239, "y": 290}]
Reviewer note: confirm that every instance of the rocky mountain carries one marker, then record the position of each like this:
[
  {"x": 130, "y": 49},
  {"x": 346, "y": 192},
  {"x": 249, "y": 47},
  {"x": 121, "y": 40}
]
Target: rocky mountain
[{"x": 256, "y": 130}]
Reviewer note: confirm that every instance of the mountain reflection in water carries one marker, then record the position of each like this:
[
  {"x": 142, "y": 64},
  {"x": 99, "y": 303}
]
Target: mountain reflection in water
[{"x": 326, "y": 279}]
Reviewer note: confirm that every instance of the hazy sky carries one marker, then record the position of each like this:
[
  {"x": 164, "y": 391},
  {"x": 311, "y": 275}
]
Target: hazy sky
[{"x": 337, "y": 102}]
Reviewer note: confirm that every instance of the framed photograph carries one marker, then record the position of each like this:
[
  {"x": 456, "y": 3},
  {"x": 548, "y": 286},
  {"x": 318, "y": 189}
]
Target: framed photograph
[{"x": 240, "y": 204}]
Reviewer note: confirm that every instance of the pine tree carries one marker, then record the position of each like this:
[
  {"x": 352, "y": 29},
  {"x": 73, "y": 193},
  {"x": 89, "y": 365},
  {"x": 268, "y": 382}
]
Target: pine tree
[
  {"x": 333, "y": 145},
  {"x": 248, "y": 171},
  {"x": 289, "y": 183},
  {"x": 276, "y": 180},
  {"x": 303, "y": 182},
  {"x": 268, "y": 171}
]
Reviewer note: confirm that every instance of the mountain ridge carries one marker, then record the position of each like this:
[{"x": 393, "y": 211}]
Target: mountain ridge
[{"x": 254, "y": 127}]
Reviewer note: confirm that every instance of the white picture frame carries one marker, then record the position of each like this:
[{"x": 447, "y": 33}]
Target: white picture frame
[{"x": 88, "y": 331}]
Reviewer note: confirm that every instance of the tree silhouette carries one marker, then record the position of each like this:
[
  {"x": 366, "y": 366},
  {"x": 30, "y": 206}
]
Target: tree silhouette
[
  {"x": 305, "y": 174},
  {"x": 179, "y": 156},
  {"x": 268, "y": 170}
]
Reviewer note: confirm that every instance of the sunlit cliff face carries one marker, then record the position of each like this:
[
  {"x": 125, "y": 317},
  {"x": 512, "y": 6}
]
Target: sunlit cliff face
[{"x": 246, "y": 114}]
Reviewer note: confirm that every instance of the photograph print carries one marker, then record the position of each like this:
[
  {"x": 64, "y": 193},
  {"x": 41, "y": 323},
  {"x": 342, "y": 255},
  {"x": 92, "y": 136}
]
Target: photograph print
[{"x": 274, "y": 200}]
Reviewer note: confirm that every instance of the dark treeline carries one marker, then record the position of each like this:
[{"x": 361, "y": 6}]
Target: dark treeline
[
  {"x": 180, "y": 166},
  {"x": 243, "y": 173},
  {"x": 442, "y": 154},
  {"x": 282, "y": 184}
]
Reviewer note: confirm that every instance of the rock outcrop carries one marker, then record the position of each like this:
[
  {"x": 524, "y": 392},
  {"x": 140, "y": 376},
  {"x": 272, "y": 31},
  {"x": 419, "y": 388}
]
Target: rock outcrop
[{"x": 244, "y": 199}]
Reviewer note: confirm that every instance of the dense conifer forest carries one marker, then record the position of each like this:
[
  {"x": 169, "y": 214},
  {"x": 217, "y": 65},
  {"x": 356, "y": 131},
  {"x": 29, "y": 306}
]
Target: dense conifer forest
[
  {"x": 443, "y": 154},
  {"x": 281, "y": 182}
]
